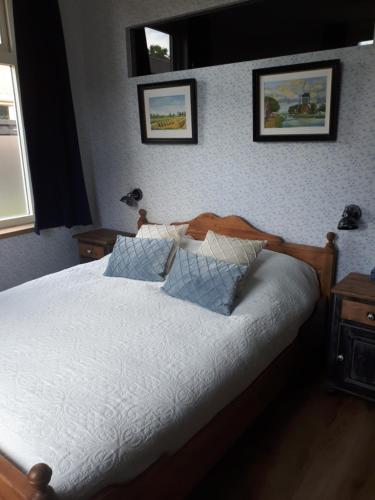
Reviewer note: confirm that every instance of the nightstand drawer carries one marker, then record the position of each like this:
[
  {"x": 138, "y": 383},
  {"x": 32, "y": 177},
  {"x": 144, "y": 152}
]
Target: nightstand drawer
[
  {"x": 97, "y": 243},
  {"x": 91, "y": 251},
  {"x": 358, "y": 312}
]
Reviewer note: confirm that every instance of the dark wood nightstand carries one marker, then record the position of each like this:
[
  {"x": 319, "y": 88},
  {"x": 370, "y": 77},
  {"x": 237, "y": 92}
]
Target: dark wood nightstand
[
  {"x": 96, "y": 244},
  {"x": 352, "y": 337}
]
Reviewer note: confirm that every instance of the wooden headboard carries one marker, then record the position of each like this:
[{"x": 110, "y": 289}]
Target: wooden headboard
[{"x": 322, "y": 259}]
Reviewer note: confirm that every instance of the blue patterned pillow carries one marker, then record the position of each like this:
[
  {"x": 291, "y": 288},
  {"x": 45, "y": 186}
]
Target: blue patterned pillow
[
  {"x": 205, "y": 281},
  {"x": 139, "y": 258}
]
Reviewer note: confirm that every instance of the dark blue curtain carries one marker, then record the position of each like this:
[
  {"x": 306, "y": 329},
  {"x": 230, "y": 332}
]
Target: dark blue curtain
[{"x": 60, "y": 197}]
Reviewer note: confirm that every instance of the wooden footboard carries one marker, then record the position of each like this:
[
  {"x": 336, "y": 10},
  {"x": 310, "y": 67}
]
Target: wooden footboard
[{"x": 14, "y": 485}]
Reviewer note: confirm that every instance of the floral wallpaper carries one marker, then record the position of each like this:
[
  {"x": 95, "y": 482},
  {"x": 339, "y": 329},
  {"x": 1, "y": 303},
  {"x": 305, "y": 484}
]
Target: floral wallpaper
[
  {"x": 29, "y": 256},
  {"x": 296, "y": 190}
]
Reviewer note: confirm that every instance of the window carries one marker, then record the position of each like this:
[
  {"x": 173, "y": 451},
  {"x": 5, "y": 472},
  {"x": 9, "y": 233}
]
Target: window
[
  {"x": 251, "y": 30},
  {"x": 4, "y": 38},
  {"x": 15, "y": 194},
  {"x": 159, "y": 50}
]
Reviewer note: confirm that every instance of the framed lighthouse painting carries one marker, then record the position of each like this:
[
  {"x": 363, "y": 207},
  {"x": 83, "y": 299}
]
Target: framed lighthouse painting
[{"x": 296, "y": 103}]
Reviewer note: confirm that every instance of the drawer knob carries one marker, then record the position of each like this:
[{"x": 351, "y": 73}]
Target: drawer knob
[
  {"x": 340, "y": 358},
  {"x": 89, "y": 251},
  {"x": 371, "y": 316}
]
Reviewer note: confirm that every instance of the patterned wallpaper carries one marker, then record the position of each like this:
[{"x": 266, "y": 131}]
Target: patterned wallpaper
[
  {"x": 296, "y": 190},
  {"x": 30, "y": 256}
]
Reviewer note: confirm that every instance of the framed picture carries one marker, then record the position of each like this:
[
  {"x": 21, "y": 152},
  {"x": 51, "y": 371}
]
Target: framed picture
[
  {"x": 296, "y": 103},
  {"x": 168, "y": 112}
]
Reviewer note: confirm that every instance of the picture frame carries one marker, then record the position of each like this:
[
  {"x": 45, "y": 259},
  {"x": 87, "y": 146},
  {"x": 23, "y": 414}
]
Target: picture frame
[
  {"x": 298, "y": 102},
  {"x": 168, "y": 112}
]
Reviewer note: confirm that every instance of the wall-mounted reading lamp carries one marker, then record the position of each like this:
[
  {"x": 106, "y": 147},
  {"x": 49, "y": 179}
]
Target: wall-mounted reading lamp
[
  {"x": 132, "y": 197},
  {"x": 350, "y": 218}
]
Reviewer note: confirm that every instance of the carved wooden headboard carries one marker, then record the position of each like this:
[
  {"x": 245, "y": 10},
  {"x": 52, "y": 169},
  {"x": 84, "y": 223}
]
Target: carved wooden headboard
[{"x": 322, "y": 259}]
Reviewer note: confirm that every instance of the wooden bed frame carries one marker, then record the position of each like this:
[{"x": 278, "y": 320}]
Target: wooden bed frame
[{"x": 173, "y": 476}]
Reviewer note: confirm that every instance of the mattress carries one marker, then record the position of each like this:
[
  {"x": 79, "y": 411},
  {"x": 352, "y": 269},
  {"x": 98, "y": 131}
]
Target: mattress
[{"x": 101, "y": 376}]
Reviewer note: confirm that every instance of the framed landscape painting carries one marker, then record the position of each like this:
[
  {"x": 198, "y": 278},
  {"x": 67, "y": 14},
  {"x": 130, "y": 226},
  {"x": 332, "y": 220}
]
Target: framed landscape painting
[
  {"x": 296, "y": 103},
  {"x": 168, "y": 112}
]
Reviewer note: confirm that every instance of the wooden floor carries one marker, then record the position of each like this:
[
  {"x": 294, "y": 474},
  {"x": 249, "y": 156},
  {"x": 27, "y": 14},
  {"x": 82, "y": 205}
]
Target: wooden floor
[{"x": 310, "y": 445}]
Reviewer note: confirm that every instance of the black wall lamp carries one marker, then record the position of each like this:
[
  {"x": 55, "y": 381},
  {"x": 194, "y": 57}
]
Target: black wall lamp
[
  {"x": 132, "y": 197},
  {"x": 350, "y": 217}
]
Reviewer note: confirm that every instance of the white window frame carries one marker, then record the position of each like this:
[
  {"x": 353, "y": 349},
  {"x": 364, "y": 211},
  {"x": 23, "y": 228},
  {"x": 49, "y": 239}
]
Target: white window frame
[{"x": 8, "y": 57}]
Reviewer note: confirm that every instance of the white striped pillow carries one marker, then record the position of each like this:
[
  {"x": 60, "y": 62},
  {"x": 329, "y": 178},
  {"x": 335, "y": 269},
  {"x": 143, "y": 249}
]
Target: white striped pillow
[
  {"x": 162, "y": 231},
  {"x": 231, "y": 250}
]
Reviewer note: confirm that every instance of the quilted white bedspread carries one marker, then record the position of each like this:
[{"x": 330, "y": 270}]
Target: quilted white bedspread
[{"x": 100, "y": 376}]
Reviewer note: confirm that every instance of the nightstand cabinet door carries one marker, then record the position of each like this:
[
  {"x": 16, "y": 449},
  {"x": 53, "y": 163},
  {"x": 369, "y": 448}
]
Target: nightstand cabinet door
[
  {"x": 356, "y": 359},
  {"x": 352, "y": 336}
]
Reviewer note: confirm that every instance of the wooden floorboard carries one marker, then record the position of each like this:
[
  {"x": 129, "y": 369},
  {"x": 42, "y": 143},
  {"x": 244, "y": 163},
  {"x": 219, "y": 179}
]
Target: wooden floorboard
[{"x": 310, "y": 445}]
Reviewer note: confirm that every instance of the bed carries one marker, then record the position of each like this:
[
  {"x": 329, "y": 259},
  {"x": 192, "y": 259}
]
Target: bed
[{"x": 116, "y": 403}]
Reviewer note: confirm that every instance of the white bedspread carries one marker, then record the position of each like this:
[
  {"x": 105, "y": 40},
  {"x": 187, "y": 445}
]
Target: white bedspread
[{"x": 100, "y": 376}]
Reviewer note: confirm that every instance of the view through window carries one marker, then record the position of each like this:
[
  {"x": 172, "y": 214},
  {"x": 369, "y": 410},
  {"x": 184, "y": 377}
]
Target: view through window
[
  {"x": 159, "y": 50},
  {"x": 15, "y": 195}
]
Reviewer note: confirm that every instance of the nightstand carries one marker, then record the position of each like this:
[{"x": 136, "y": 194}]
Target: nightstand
[
  {"x": 96, "y": 244},
  {"x": 352, "y": 337}
]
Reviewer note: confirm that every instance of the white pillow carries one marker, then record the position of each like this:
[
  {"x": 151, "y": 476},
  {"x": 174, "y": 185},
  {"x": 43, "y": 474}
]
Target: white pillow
[
  {"x": 231, "y": 250},
  {"x": 160, "y": 232},
  {"x": 190, "y": 244}
]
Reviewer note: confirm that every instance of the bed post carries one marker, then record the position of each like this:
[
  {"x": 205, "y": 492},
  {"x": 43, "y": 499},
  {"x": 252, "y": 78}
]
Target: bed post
[
  {"x": 142, "y": 218},
  {"x": 39, "y": 477},
  {"x": 332, "y": 257},
  {"x": 331, "y": 241}
]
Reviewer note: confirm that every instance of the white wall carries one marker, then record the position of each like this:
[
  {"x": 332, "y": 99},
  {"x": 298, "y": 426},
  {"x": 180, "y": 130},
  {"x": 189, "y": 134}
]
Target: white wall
[{"x": 297, "y": 190}]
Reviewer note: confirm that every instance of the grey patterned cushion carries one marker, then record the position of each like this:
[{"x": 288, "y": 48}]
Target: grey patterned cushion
[
  {"x": 205, "y": 281},
  {"x": 139, "y": 258}
]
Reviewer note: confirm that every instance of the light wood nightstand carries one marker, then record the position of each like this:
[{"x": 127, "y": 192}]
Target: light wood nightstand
[
  {"x": 352, "y": 336},
  {"x": 96, "y": 244}
]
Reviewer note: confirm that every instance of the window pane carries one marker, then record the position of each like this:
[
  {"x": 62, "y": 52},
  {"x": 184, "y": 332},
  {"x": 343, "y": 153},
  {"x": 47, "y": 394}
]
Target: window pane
[
  {"x": 13, "y": 194},
  {"x": 159, "y": 50},
  {"x": 3, "y": 26}
]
